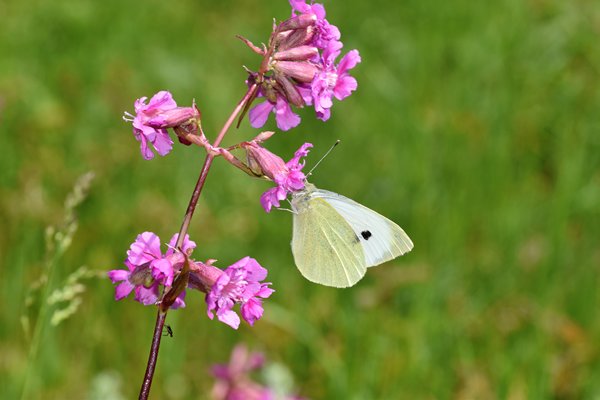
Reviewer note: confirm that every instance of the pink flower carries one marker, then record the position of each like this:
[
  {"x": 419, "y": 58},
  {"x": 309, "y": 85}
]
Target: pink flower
[
  {"x": 241, "y": 362},
  {"x": 333, "y": 81},
  {"x": 301, "y": 70},
  {"x": 325, "y": 32},
  {"x": 145, "y": 133},
  {"x": 288, "y": 179},
  {"x": 239, "y": 283},
  {"x": 148, "y": 268},
  {"x": 234, "y": 380}
]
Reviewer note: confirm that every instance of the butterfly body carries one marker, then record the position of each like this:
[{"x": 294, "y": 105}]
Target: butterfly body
[{"x": 336, "y": 239}]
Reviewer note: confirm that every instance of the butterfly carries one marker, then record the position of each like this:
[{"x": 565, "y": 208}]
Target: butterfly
[{"x": 336, "y": 239}]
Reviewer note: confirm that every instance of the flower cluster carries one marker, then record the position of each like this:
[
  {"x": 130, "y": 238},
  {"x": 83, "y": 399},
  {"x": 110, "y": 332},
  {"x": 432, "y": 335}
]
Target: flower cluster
[
  {"x": 148, "y": 269},
  {"x": 299, "y": 68}
]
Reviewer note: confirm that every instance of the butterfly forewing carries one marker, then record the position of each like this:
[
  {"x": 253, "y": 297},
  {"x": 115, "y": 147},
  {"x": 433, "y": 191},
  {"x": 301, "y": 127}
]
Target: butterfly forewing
[
  {"x": 325, "y": 247},
  {"x": 381, "y": 239}
]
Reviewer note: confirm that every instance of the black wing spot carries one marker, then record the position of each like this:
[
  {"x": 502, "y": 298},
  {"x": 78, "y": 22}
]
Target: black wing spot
[{"x": 366, "y": 234}]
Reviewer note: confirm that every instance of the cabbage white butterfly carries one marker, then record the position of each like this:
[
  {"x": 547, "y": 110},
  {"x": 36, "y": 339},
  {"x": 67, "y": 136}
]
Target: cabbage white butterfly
[{"x": 335, "y": 239}]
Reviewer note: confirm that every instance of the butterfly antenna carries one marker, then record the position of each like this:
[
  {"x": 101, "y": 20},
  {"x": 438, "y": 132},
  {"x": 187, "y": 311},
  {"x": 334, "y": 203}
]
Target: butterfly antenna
[{"x": 322, "y": 158}]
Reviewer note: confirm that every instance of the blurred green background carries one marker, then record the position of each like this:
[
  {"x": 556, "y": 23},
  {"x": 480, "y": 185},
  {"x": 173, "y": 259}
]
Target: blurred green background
[{"x": 476, "y": 127}]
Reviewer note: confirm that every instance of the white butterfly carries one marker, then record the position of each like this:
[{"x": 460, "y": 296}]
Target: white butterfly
[{"x": 336, "y": 239}]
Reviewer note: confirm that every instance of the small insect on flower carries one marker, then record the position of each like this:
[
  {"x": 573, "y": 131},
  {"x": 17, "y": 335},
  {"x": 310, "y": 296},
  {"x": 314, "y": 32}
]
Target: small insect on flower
[{"x": 169, "y": 331}]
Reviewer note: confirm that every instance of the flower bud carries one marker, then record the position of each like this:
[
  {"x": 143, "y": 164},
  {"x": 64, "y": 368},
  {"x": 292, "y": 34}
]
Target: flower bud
[
  {"x": 301, "y": 71},
  {"x": 297, "y": 22},
  {"x": 289, "y": 90},
  {"x": 290, "y": 39},
  {"x": 300, "y": 53},
  {"x": 174, "y": 117},
  {"x": 203, "y": 275},
  {"x": 262, "y": 161},
  {"x": 263, "y": 136}
]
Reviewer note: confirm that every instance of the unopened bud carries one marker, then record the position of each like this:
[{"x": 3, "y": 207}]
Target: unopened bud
[
  {"x": 300, "y": 53},
  {"x": 300, "y": 71},
  {"x": 203, "y": 275},
  {"x": 262, "y": 162},
  {"x": 290, "y": 39},
  {"x": 263, "y": 136},
  {"x": 289, "y": 90},
  {"x": 297, "y": 22},
  {"x": 174, "y": 117}
]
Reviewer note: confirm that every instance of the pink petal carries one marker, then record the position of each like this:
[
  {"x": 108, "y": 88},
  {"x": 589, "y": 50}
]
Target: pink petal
[
  {"x": 186, "y": 246},
  {"x": 122, "y": 290},
  {"x": 344, "y": 87},
  {"x": 179, "y": 303},
  {"x": 162, "y": 100},
  {"x": 285, "y": 117},
  {"x": 144, "y": 149},
  {"x": 264, "y": 292},
  {"x": 324, "y": 114},
  {"x": 162, "y": 270},
  {"x": 147, "y": 296},
  {"x": 348, "y": 62},
  {"x": 229, "y": 317},
  {"x": 252, "y": 310},
  {"x": 300, "y": 6},
  {"x": 145, "y": 248},
  {"x": 259, "y": 114},
  {"x": 163, "y": 143},
  {"x": 306, "y": 93},
  {"x": 269, "y": 199},
  {"x": 117, "y": 275}
]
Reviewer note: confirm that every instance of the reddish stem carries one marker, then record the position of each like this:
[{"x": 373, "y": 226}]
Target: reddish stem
[
  {"x": 158, "y": 328},
  {"x": 206, "y": 167},
  {"x": 162, "y": 314}
]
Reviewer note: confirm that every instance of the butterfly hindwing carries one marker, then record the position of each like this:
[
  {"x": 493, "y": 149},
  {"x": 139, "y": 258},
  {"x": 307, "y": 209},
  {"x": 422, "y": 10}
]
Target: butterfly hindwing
[{"x": 325, "y": 247}]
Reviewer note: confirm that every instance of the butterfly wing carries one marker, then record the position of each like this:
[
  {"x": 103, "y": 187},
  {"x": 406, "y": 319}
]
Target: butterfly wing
[
  {"x": 382, "y": 240},
  {"x": 325, "y": 247}
]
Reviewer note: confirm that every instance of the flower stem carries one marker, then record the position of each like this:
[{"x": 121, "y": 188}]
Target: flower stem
[
  {"x": 158, "y": 328},
  {"x": 162, "y": 313},
  {"x": 206, "y": 167}
]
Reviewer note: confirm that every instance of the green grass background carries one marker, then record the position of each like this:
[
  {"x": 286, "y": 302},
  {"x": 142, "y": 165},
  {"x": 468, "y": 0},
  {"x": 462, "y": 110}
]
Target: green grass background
[{"x": 476, "y": 127}]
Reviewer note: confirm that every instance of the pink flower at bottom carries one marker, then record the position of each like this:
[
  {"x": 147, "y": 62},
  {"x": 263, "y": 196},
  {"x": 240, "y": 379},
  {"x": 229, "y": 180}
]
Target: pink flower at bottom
[{"x": 234, "y": 380}]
